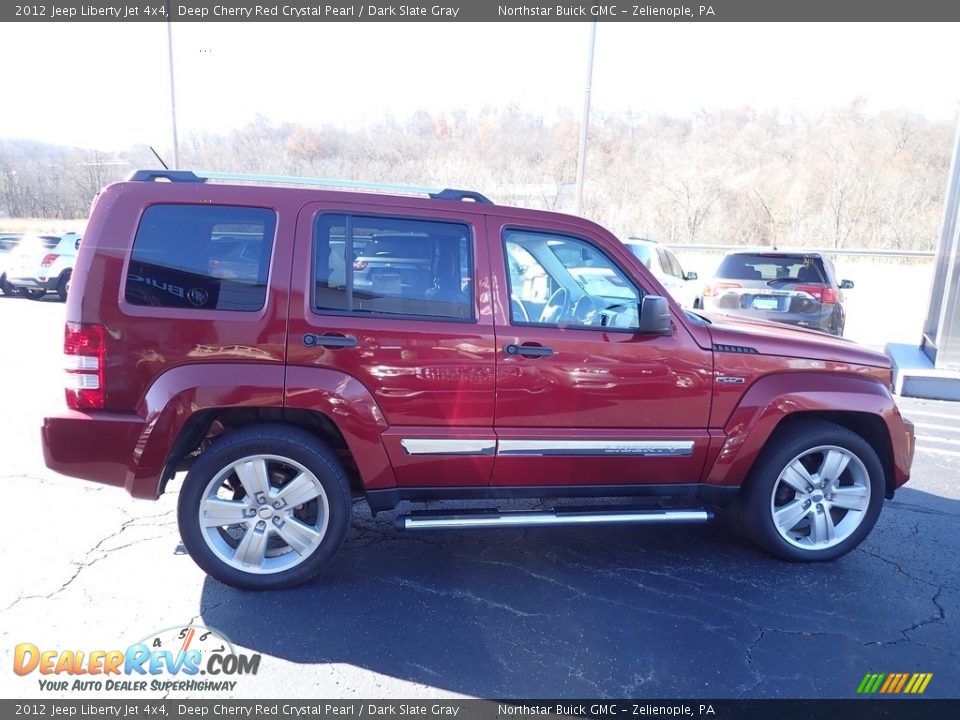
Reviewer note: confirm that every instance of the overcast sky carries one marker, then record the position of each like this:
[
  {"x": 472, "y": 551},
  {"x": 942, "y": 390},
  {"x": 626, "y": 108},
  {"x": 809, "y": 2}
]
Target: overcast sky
[{"x": 106, "y": 84}]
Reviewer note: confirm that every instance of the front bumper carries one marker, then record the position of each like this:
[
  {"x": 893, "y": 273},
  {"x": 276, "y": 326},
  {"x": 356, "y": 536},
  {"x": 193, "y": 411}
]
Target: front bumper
[{"x": 903, "y": 440}]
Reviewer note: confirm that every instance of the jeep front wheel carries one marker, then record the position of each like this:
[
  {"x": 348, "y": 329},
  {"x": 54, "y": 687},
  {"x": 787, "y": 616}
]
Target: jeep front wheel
[
  {"x": 264, "y": 507},
  {"x": 815, "y": 494}
]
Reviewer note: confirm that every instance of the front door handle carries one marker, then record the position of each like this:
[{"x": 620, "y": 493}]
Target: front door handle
[
  {"x": 528, "y": 350},
  {"x": 329, "y": 340}
]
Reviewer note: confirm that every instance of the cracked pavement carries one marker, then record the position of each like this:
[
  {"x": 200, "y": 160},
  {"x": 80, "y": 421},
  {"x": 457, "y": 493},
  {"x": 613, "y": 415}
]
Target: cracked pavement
[{"x": 609, "y": 612}]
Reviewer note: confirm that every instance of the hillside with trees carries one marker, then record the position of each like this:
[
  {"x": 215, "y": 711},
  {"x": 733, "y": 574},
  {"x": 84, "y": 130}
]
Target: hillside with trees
[{"x": 847, "y": 179}]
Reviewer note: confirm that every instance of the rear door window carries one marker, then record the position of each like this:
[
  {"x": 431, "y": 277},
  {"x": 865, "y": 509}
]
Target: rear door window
[
  {"x": 392, "y": 266},
  {"x": 202, "y": 257},
  {"x": 670, "y": 264}
]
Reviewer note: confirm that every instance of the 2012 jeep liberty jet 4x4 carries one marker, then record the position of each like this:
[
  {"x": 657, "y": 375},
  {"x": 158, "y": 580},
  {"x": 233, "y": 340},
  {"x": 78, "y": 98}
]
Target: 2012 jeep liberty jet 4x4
[{"x": 295, "y": 348}]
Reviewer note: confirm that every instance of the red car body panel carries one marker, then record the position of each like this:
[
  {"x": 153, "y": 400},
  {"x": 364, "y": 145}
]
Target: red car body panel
[
  {"x": 427, "y": 380},
  {"x": 354, "y": 411},
  {"x": 774, "y": 397}
]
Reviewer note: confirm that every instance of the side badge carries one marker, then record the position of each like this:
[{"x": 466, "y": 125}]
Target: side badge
[{"x": 730, "y": 380}]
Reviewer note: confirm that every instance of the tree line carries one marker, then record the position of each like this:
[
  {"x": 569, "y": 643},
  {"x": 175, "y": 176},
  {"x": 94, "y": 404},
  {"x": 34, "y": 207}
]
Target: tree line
[{"x": 843, "y": 179}]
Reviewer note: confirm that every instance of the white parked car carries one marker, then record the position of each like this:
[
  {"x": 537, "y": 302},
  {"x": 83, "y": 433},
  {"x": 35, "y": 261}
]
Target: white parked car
[
  {"x": 42, "y": 264},
  {"x": 664, "y": 265},
  {"x": 8, "y": 241}
]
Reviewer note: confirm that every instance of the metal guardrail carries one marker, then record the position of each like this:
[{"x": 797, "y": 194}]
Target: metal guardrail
[{"x": 825, "y": 251}]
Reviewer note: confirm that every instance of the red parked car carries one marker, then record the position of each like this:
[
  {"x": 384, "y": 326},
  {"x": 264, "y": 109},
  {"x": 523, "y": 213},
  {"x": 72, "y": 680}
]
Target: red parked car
[{"x": 286, "y": 389}]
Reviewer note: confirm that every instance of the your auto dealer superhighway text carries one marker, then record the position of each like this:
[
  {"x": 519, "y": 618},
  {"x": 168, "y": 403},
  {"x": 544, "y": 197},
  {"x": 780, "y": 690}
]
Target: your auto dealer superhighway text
[{"x": 305, "y": 11}]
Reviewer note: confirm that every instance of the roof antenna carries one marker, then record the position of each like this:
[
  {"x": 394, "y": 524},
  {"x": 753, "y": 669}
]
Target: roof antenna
[{"x": 157, "y": 156}]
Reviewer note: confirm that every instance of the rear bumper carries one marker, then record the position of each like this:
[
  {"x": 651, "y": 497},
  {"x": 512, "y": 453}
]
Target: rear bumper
[
  {"x": 824, "y": 319},
  {"x": 35, "y": 283},
  {"x": 100, "y": 447}
]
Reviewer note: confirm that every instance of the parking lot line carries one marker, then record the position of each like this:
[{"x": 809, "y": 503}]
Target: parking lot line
[
  {"x": 938, "y": 451},
  {"x": 935, "y": 439},
  {"x": 910, "y": 412},
  {"x": 948, "y": 428}
]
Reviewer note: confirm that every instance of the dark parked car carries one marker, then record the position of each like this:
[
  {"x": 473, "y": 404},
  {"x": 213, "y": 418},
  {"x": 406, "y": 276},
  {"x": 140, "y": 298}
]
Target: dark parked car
[
  {"x": 500, "y": 353},
  {"x": 795, "y": 288}
]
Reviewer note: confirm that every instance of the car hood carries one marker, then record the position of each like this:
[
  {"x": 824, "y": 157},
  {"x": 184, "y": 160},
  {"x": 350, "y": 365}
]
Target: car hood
[{"x": 771, "y": 338}]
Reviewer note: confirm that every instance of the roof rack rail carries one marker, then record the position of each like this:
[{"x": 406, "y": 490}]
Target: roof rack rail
[{"x": 188, "y": 176}]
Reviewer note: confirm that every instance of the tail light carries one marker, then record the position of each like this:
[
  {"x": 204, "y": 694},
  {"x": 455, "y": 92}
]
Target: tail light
[
  {"x": 85, "y": 350},
  {"x": 718, "y": 288},
  {"x": 48, "y": 260},
  {"x": 359, "y": 264},
  {"x": 822, "y": 294}
]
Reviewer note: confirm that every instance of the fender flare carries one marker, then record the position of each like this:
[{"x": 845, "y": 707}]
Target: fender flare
[
  {"x": 180, "y": 393},
  {"x": 773, "y": 398}
]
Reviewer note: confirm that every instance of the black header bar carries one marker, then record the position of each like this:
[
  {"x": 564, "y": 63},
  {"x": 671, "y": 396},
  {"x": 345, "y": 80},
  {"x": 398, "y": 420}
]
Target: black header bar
[{"x": 480, "y": 10}]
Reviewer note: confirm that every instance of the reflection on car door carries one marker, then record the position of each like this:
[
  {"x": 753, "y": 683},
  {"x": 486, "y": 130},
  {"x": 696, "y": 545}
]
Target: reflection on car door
[
  {"x": 582, "y": 398},
  {"x": 421, "y": 344}
]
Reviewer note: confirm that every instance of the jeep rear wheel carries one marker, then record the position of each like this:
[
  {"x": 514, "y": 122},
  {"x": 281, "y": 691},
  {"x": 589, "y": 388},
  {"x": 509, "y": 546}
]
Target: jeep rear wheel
[
  {"x": 265, "y": 507},
  {"x": 815, "y": 493}
]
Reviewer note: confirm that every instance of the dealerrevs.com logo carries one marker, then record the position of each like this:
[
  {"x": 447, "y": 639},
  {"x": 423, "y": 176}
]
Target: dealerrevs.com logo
[{"x": 184, "y": 658}]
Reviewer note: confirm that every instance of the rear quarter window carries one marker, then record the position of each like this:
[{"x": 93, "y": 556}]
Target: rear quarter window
[{"x": 202, "y": 257}]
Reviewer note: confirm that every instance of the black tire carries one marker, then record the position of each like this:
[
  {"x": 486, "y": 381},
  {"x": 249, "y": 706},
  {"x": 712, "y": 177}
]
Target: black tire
[
  {"x": 5, "y": 287},
  {"x": 801, "y": 442},
  {"x": 63, "y": 287},
  {"x": 283, "y": 441}
]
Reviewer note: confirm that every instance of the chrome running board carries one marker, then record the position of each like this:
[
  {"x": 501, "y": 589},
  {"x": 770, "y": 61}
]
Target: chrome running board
[{"x": 439, "y": 520}]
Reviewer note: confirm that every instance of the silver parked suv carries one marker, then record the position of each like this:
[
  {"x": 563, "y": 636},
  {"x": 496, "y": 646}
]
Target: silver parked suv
[{"x": 796, "y": 288}]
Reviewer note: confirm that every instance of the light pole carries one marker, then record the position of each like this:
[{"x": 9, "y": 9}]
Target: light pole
[
  {"x": 173, "y": 94},
  {"x": 582, "y": 159}
]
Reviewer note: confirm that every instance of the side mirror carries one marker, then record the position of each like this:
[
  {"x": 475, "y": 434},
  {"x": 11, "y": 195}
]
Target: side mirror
[
  {"x": 690, "y": 276},
  {"x": 655, "y": 316},
  {"x": 76, "y": 245},
  {"x": 846, "y": 284}
]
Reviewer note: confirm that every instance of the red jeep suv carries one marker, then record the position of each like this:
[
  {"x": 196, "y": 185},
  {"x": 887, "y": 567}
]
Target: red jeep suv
[{"x": 296, "y": 348}]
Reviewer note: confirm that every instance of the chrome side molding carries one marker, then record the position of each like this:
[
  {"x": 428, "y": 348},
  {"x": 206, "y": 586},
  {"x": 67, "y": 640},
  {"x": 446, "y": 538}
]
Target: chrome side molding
[
  {"x": 541, "y": 448},
  {"x": 657, "y": 448},
  {"x": 448, "y": 446}
]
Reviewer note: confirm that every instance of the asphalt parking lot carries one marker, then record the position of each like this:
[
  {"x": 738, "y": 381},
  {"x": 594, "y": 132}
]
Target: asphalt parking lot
[{"x": 619, "y": 612}]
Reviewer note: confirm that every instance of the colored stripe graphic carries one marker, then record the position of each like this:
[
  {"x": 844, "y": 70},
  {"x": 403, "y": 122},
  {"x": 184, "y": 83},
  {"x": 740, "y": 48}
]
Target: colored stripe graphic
[
  {"x": 870, "y": 683},
  {"x": 894, "y": 683}
]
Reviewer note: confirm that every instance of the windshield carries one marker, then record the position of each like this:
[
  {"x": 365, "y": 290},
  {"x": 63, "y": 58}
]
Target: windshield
[{"x": 642, "y": 252}]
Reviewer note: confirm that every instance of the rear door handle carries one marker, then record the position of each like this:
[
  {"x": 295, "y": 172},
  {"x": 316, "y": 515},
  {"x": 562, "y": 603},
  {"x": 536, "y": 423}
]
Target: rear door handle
[
  {"x": 329, "y": 340},
  {"x": 528, "y": 350}
]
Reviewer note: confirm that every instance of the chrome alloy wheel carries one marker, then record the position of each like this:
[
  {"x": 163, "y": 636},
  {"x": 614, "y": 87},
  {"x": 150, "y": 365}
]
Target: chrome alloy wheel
[
  {"x": 820, "y": 497},
  {"x": 264, "y": 514}
]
